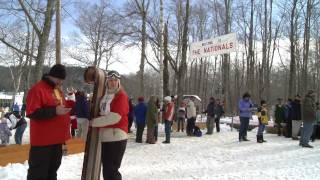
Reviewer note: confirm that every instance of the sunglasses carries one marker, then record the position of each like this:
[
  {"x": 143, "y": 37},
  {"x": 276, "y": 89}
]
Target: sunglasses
[{"x": 113, "y": 74}]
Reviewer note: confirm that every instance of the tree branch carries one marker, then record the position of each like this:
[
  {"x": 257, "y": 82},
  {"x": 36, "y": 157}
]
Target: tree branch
[
  {"x": 36, "y": 28},
  {"x": 16, "y": 49}
]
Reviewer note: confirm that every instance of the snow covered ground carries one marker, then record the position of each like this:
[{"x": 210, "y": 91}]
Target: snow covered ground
[{"x": 219, "y": 156}]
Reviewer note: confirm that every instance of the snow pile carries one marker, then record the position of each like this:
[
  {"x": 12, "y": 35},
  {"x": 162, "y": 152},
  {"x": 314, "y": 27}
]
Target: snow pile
[{"x": 219, "y": 156}]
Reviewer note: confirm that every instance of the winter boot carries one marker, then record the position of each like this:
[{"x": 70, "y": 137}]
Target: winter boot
[
  {"x": 245, "y": 138},
  {"x": 263, "y": 139},
  {"x": 259, "y": 139}
]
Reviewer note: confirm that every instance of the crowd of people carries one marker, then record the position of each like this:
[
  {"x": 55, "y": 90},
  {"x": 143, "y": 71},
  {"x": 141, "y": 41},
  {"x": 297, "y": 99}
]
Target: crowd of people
[{"x": 300, "y": 116}]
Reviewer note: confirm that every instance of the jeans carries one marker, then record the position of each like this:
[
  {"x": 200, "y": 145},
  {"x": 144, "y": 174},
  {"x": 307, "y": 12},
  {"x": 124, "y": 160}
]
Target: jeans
[
  {"x": 306, "y": 133},
  {"x": 19, "y": 133},
  {"x": 261, "y": 129},
  {"x": 180, "y": 123},
  {"x": 244, "y": 124},
  {"x": 167, "y": 129}
]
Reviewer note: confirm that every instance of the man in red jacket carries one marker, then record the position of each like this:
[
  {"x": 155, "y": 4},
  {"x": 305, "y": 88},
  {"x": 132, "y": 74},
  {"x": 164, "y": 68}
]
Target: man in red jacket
[{"x": 49, "y": 124}]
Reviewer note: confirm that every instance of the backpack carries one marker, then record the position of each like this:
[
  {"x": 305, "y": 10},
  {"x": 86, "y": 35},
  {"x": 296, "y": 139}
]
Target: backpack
[{"x": 197, "y": 132}]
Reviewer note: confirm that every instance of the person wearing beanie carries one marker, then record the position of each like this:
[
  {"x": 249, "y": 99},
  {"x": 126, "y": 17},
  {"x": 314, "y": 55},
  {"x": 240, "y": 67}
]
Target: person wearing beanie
[
  {"x": 140, "y": 113},
  {"x": 168, "y": 117},
  {"x": 113, "y": 124},
  {"x": 245, "y": 108},
  {"x": 263, "y": 121},
  {"x": 49, "y": 124}
]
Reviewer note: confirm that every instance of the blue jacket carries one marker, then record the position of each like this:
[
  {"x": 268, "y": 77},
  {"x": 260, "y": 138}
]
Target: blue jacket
[
  {"x": 245, "y": 108},
  {"x": 82, "y": 107},
  {"x": 140, "y": 112}
]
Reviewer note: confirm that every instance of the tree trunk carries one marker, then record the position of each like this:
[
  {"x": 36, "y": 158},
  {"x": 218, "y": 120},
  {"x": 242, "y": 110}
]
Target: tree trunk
[
  {"x": 226, "y": 61},
  {"x": 292, "y": 76},
  {"x": 306, "y": 44},
  {"x": 43, "y": 40},
  {"x": 183, "y": 64},
  {"x": 166, "y": 74},
  {"x": 250, "y": 58},
  {"x": 143, "y": 50}
]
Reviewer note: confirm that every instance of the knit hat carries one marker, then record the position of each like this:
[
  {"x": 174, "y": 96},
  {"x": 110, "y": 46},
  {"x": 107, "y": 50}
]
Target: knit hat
[
  {"x": 167, "y": 98},
  {"x": 58, "y": 71},
  {"x": 140, "y": 99}
]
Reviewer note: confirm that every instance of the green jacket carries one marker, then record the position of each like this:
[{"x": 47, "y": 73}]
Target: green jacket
[
  {"x": 279, "y": 114},
  {"x": 151, "y": 114}
]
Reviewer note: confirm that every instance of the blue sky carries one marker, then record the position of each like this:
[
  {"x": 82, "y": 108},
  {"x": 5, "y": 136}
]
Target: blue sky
[{"x": 70, "y": 13}]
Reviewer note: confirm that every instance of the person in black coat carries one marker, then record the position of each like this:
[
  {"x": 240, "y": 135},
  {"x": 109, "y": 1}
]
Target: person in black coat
[
  {"x": 219, "y": 111},
  {"x": 130, "y": 115},
  {"x": 288, "y": 118},
  {"x": 210, "y": 115}
]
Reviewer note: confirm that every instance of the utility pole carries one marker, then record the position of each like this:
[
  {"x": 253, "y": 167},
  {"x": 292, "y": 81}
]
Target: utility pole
[{"x": 58, "y": 31}]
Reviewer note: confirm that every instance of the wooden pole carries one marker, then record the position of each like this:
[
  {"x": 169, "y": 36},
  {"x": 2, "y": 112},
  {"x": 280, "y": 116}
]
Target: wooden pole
[{"x": 58, "y": 31}]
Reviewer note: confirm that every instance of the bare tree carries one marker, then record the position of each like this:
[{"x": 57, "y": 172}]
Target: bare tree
[
  {"x": 306, "y": 44},
  {"x": 183, "y": 65},
  {"x": 99, "y": 27}
]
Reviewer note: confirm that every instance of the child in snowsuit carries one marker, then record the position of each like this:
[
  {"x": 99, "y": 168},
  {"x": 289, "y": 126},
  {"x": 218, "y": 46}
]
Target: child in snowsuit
[
  {"x": 263, "y": 121},
  {"x": 5, "y": 132}
]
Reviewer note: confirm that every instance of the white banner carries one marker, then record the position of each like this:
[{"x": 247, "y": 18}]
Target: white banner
[{"x": 219, "y": 45}]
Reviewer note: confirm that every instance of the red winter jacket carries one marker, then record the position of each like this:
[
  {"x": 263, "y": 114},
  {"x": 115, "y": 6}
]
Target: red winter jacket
[
  {"x": 168, "y": 114},
  {"x": 46, "y": 128},
  {"x": 120, "y": 105}
]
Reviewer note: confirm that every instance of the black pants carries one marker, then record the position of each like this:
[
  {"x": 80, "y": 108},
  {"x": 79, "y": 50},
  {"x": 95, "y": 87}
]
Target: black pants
[
  {"x": 155, "y": 132},
  {"x": 111, "y": 157},
  {"x": 288, "y": 129},
  {"x": 244, "y": 125},
  {"x": 279, "y": 129},
  {"x": 130, "y": 121},
  {"x": 217, "y": 120},
  {"x": 44, "y": 162},
  {"x": 191, "y": 123},
  {"x": 73, "y": 132},
  {"x": 316, "y": 132},
  {"x": 140, "y": 129}
]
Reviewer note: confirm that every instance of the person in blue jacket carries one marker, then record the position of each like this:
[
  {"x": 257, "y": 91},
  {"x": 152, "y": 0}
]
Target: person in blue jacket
[
  {"x": 140, "y": 112},
  {"x": 245, "y": 108}
]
